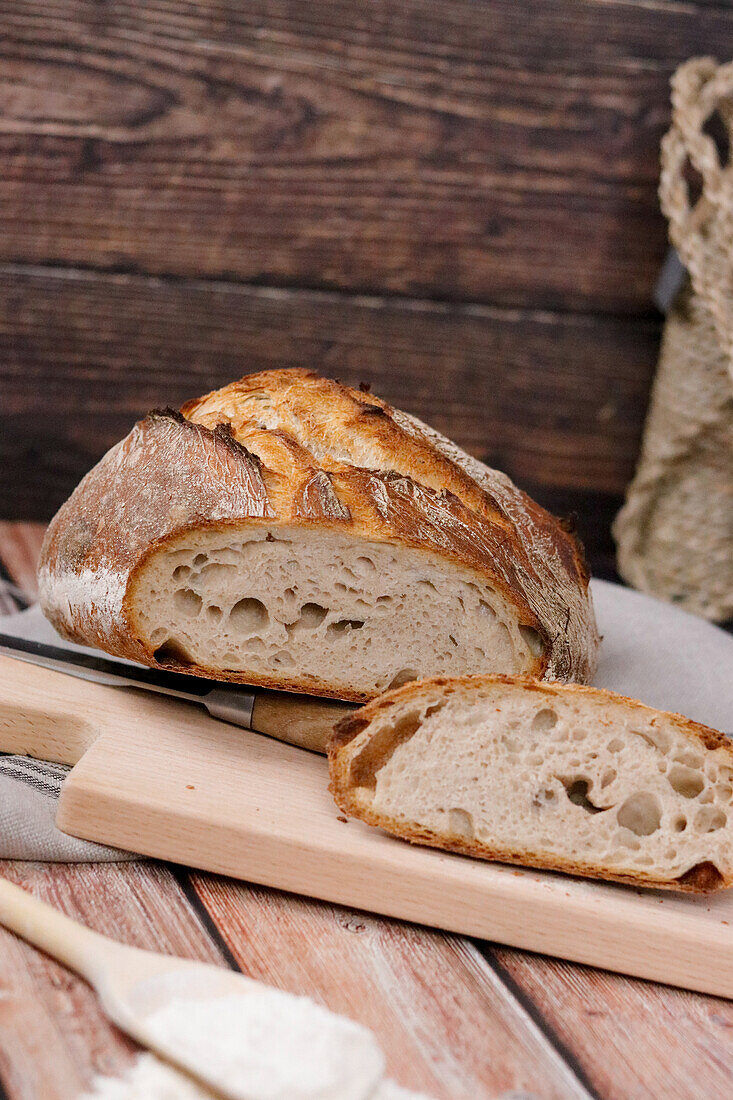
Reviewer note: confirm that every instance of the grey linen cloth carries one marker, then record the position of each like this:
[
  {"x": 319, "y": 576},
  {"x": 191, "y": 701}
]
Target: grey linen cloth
[
  {"x": 651, "y": 651},
  {"x": 29, "y": 792}
]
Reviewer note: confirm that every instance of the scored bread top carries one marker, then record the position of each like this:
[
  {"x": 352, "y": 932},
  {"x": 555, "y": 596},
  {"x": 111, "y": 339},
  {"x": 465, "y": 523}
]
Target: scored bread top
[{"x": 290, "y": 447}]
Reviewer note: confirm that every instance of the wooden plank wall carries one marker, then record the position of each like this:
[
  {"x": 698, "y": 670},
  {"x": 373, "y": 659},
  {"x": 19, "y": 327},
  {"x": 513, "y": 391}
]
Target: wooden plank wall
[{"x": 451, "y": 199}]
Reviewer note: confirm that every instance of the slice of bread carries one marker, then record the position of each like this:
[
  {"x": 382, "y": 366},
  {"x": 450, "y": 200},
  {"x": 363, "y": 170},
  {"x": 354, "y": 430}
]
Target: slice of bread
[{"x": 549, "y": 775}]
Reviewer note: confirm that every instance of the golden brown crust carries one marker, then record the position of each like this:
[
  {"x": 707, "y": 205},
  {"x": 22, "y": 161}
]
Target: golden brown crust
[
  {"x": 291, "y": 448},
  {"x": 702, "y": 878}
]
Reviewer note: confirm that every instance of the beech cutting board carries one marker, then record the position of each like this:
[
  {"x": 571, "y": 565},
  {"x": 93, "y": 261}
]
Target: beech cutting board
[{"x": 163, "y": 779}]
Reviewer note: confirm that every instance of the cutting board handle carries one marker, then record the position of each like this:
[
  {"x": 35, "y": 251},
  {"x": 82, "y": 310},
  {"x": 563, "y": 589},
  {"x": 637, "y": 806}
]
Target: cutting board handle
[
  {"x": 46, "y": 714},
  {"x": 53, "y": 716}
]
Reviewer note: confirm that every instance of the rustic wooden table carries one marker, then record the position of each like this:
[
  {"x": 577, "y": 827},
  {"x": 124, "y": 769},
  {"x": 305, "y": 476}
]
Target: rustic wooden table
[{"x": 459, "y": 1019}]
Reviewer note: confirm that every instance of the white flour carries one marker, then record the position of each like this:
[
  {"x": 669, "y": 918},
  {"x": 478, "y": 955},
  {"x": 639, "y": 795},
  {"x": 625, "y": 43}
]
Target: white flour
[
  {"x": 263, "y": 1044},
  {"x": 150, "y": 1079}
]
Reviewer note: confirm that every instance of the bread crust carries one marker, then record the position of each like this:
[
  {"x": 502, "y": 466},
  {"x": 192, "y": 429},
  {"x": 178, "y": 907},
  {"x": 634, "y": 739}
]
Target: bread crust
[
  {"x": 288, "y": 448},
  {"x": 702, "y": 878}
]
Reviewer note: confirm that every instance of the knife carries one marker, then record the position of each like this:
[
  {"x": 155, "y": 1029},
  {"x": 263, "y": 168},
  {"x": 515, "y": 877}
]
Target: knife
[{"x": 299, "y": 719}]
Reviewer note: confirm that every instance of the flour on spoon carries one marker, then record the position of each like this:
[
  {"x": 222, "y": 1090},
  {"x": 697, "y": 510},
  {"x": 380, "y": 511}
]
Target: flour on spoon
[{"x": 150, "y": 1079}]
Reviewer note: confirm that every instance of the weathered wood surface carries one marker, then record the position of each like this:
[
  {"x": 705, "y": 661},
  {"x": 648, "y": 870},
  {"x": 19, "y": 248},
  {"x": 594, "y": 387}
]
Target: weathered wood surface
[
  {"x": 441, "y": 1015},
  {"x": 20, "y": 545},
  {"x": 556, "y": 400},
  {"x": 655, "y": 1041},
  {"x": 438, "y": 148}
]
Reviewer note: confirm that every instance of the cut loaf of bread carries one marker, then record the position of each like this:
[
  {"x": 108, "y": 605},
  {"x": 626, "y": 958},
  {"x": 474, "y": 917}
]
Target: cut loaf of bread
[
  {"x": 556, "y": 776},
  {"x": 291, "y": 532}
]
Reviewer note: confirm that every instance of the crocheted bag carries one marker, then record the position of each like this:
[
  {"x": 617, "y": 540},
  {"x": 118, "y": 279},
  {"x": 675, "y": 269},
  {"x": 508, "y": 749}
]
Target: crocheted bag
[{"x": 675, "y": 532}]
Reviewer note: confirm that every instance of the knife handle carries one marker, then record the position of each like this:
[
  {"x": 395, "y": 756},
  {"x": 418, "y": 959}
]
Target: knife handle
[{"x": 300, "y": 719}]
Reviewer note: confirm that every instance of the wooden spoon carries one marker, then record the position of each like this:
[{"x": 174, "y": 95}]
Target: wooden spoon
[{"x": 136, "y": 986}]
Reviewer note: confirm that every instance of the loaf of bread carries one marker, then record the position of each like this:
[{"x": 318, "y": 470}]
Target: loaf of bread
[
  {"x": 290, "y": 532},
  {"x": 549, "y": 775}
]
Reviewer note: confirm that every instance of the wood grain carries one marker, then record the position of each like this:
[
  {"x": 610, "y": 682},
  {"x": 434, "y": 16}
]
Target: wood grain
[
  {"x": 436, "y": 148},
  {"x": 630, "y": 1038},
  {"x": 556, "y": 400},
  {"x": 441, "y": 1015},
  {"x": 53, "y": 1035},
  {"x": 20, "y": 547}
]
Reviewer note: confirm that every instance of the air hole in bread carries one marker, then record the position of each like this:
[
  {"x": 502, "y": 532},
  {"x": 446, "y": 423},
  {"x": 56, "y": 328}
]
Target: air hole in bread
[
  {"x": 181, "y": 572},
  {"x": 380, "y": 749},
  {"x": 248, "y": 615},
  {"x": 709, "y": 819},
  {"x": 200, "y": 559},
  {"x": 542, "y": 798},
  {"x": 657, "y": 738},
  {"x": 187, "y": 601},
  {"x": 679, "y": 824},
  {"x": 214, "y": 613},
  {"x": 544, "y": 719},
  {"x": 532, "y": 640},
  {"x": 344, "y": 625},
  {"x": 404, "y": 676},
  {"x": 172, "y": 652},
  {"x": 216, "y": 573},
  {"x": 608, "y": 777},
  {"x": 689, "y": 759},
  {"x": 576, "y": 789},
  {"x": 641, "y": 813},
  {"x": 283, "y": 659},
  {"x": 703, "y": 876},
  {"x": 311, "y": 616},
  {"x": 685, "y": 781},
  {"x": 460, "y": 822},
  {"x": 615, "y": 745}
]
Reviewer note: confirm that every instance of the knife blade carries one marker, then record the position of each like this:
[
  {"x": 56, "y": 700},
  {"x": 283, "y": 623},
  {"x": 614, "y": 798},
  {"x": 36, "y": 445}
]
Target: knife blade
[
  {"x": 301, "y": 720},
  {"x": 229, "y": 703}
]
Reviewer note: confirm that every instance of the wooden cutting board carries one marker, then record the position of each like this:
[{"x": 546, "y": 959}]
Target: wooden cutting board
[{"x": 163, "y": 779}]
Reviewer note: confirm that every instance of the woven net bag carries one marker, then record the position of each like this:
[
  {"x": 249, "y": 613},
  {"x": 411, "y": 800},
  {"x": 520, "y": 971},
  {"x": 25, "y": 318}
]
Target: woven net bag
[{"x": 675, "y": 532}]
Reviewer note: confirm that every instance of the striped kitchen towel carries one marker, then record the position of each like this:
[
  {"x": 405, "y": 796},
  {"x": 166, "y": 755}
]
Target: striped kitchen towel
[{"x": 29, "y": 794}]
